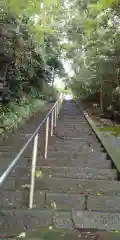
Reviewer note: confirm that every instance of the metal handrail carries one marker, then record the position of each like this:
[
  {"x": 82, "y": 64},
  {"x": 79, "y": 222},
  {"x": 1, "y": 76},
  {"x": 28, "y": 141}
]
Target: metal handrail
[{"x": 53, "y": 112}]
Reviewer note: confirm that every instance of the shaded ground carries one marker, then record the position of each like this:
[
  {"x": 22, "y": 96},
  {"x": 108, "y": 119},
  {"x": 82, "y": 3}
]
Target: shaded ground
[{"x": 53, "y": 234}]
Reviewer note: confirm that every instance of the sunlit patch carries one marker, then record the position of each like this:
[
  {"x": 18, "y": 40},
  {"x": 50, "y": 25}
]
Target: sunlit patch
[
  {"x": 115, "y": 231},
  {"x": 68, "y": 97}
]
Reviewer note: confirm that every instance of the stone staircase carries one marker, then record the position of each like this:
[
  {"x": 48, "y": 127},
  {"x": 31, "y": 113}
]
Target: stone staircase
[{"x": 76, "y": 189}]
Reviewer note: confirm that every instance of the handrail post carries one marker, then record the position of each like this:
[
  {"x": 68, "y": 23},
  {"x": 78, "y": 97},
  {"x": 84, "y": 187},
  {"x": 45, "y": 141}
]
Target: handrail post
[
  {"x": 34, "y": 158},
  {"x": 52, "y": 121},
  {"x": 60, "y": 103},
  {"x": 46, "y": 137},
  {"x": 57, "y": 109},
  {"x": 5, "y": 175},
  {"x": 55, "y": 116}
]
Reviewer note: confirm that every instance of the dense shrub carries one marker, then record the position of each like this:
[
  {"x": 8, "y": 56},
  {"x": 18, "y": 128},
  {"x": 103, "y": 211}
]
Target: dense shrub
[{"x": 25, "y": 64}]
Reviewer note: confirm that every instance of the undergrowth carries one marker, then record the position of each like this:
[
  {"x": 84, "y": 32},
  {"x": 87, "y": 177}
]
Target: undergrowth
[{"x": 16, "y": 113}]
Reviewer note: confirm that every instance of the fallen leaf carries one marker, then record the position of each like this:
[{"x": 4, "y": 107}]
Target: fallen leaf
[
  {"x": 98, "y": 194},
  {"x": 54, "y": 205},
  {"x": 38, "y": 174},
  {"x": 50, "y": 176},
  {"x": 50, "y": 227},
  {"x": 25, "y": 186},
  {"x": 21, "y": 235}
]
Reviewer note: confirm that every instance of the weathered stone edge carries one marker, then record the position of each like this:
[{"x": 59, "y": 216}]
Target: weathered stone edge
[
  {"x": 108, "y": 147},
  {"x": 74, "y": 219}
]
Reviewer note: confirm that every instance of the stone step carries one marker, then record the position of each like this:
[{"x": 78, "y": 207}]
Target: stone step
[
  {"x": 63, "y": 185},
  {"x": 64, "y": 201},
  {"x": 65, "y": 162},
  {"x": 10, "y": 155},
  {"x": 77, "y": 147},
  {"x": 72, "y": 143},
  {"x": 5, "y": 162},
  {"x": 14, "y": 199},
  {"x": 96, "y": 220},
  {"x": 11, "y": 151},
  {"x": 77, "y": 134},
  {"x": 77, "y": 201},
  {"x": 74, "y": 126},
  {"x": 77, "y": 119},
  {"x": 18, "y": 138},
  {"x": 20, "y": 199},
  {"x": 83, "y": 161},
  {"x": 77, "y": 139},
  {"x": 80, "y": 149},
  {"x": 72, "y": 115},
  {"x": 79, "y": 154},
  {"x": 14, "y": 222},
  {"x": 70, "y": 172},
  {"x": 60, "y": 149},
  {"x": 74, "y": 134},
  {"x": 14, "y": 150},
  {"x": 61, "y": 143},
  {"x": 9, "y": 148},
  {"x": 68, "y": 143},
  {"x": 80, "y": 162},
  {"x": 104, "y": 203},
  {"x": 72, "y": 121}
]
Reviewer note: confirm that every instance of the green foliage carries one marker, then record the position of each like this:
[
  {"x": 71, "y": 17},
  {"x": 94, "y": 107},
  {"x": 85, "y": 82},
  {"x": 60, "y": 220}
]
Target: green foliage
[
  {"x": 28, "y": 6},
  {"x": 25, "y": 63},
  {"x": 29, "y": 57},
  {"x": 93, "y": 27}
]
